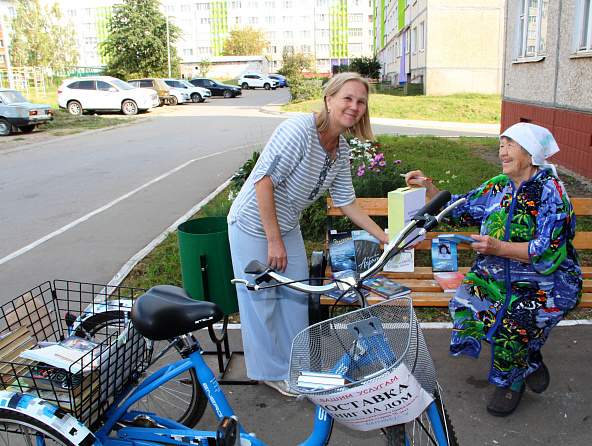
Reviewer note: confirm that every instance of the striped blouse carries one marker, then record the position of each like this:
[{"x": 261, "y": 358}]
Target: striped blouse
[{"x": 301, "y": 172}]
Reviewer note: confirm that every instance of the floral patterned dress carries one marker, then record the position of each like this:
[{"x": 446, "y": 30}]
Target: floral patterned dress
[{"x": 510, "y": 304}]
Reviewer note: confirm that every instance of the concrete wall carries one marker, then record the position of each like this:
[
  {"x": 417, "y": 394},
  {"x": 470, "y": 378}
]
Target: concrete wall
[
  {"x": 554, "y": 91},
  {"x": 227, "y": 70}
]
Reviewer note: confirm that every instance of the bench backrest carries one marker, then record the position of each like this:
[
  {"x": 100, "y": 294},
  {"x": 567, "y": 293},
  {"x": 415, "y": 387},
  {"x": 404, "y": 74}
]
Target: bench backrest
[{"x": 378, "y": 207}]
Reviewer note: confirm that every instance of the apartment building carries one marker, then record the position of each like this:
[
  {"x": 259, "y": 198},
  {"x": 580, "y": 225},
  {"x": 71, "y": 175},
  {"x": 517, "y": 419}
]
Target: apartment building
[
  {"x": 548, "y": 75},
  {"x": 332, "y": 31},
  {"x": 449, "y": 46}
]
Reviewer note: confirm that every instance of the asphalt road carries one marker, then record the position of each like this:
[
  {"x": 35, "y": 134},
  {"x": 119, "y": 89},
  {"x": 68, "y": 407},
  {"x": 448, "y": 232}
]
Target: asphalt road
[{"x": 78, "y": 208}]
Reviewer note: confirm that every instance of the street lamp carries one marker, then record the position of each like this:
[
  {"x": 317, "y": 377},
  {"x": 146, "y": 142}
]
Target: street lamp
[{"x": 168, "y": 45}]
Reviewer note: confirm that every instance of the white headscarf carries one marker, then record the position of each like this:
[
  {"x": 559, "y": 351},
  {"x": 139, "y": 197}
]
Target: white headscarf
[{"x": 536, "y": 140}]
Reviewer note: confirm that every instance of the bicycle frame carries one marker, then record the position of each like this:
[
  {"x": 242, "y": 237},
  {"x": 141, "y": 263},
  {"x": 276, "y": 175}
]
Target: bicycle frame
[{"x": 216, "y": 397}]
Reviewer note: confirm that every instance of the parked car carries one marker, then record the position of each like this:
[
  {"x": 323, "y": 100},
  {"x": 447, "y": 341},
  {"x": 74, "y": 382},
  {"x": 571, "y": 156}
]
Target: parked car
[
  {"x": 16, "y": 111},
  {"x": 247, "y": 81},
  {"x": 281, "y": 79},
  {"x": 195, "y": 94},
  {"x": 104, "y": 93},
  {"x": 217, "y": 88},
  {"x": 158, "y": 85}
]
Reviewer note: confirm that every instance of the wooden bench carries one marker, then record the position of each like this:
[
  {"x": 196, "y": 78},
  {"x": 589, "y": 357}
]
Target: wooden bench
[{"x": 424, "y": 289}]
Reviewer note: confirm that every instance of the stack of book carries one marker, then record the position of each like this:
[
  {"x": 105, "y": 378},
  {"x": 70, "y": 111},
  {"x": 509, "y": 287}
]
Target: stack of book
[{"x": 318, "y": 380}]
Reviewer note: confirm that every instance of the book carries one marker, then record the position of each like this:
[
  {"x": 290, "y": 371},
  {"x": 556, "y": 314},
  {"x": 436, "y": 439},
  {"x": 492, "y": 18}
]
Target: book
[
  {"x": 73, "y": 354},
  {"x": 353, "y": 249},
  {"x": 404, "y": 262},
  {"x": 449, "y": 281},
  {"x": 457, "y": 238},
  {"x": 444, "y": 255},
  {"x": 342, "y": 250},
  {"x": 349, "y": 297},
  {"x": 318, "y": 380},
  {"x": 386, "y": 288},
  {"x": 12, "y": 344}
]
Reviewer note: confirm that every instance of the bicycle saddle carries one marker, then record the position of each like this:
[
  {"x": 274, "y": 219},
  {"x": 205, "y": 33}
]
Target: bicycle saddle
[{"x": 166, "y": 311}]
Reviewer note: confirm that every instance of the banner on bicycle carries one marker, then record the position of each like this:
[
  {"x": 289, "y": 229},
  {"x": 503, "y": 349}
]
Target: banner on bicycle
[{"x": 393, "y": 398}]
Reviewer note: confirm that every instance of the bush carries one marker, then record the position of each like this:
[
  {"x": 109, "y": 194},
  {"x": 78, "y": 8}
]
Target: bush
[{"x": 304, "y": 89}]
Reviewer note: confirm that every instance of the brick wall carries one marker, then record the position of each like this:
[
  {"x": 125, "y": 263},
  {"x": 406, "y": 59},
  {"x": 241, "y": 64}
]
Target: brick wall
[{"x": 572, "y": 131}]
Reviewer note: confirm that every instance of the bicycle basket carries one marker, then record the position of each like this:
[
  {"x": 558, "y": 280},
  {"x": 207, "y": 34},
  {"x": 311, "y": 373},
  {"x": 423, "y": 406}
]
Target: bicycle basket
[
  {"x": 362, "y": 345},
  {"x": 44, "y": 316}
]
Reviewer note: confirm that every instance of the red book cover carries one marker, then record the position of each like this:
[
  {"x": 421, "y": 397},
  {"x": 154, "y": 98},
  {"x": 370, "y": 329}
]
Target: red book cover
[{"x": 449, "y": 280}]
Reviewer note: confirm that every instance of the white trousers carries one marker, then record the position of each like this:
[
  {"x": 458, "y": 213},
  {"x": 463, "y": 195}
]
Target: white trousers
[{"x": 271, "y": 318}]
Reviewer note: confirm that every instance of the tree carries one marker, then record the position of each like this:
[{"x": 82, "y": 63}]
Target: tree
[
  {"x": 245, "y": 41},
  {"x": 293, "y": 64},
  {"x": 367, "y": 66},
  {"x": 137, "y": 41},
  {"x": 204, "y": 66},
  {"x": 38, "y": 39}
]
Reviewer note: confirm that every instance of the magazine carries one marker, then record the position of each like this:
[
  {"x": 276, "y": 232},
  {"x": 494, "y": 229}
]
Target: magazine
[
  {"x": 449, "y": 281},
  {"x": 385, "y": 287},
  {"x": 318, "y": 380},
  {"x": 353, "y": 249},
  {"x": 350, "y": 296},
  {"x": 74, "y": 354},
  {"x": 444, "y": 255}
]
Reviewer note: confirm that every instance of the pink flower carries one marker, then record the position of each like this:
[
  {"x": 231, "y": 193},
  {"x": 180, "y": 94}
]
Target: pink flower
[
  {"x": 382, "y": 163},
  {"x": 397, "y": 162},
  {"x": 360, "y": 173},
  {"x": 376, "y": 170}
]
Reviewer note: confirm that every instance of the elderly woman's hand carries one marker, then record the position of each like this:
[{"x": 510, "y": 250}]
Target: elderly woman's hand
[
  {"x": 416, "y": 178},
  {"x": 486, "y": 245},
  {"x": 491, "y": 246}
]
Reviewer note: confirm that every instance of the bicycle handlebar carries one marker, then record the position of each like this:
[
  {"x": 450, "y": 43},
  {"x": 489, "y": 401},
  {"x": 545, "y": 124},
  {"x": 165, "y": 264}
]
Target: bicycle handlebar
[{"x": 418, "y": 226}]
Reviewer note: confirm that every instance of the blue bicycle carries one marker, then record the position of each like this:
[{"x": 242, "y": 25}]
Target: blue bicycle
[{"x": 366, "y": 347}]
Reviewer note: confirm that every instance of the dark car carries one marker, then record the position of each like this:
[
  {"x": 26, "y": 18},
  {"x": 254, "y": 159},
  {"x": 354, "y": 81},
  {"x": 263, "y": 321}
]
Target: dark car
[
  {"x": 217, "y": 88},
  {"x": 281, "y": 79}
]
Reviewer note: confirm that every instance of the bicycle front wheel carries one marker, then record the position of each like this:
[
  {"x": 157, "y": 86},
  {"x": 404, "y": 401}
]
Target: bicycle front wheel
[
  {"x": 422, "y": 431},
  {"x": 181, "y": 399},
  {"x": 17, "y": 429}
]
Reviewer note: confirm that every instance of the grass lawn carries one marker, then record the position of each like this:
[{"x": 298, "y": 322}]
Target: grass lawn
[{"x": 472, "y": 108}]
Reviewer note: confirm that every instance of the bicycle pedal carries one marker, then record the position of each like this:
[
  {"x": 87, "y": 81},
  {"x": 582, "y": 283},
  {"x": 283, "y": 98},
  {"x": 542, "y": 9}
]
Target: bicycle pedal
[
  {"x": 227, "y": 432},
  {"x": 144, "y": 421}
]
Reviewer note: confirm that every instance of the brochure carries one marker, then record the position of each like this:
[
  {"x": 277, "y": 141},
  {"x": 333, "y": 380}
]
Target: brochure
[
  {"x": 353, "y": 249},
  {"x": 73, "y": 354},
  {"x": 457, "y": 238}
]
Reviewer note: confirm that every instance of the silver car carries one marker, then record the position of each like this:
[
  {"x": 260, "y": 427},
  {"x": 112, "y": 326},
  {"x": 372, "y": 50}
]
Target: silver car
[
  {"x": 104, "y": 93},
  {"x": 16, "y": 111},
  {"x": 197, "y": 94}
]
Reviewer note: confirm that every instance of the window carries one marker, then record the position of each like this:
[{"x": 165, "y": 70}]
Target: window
[
  {"x": 323, "y": 62},
  {"x": 204, "y": 50},
  {"x": 287, "y": 19},
  {"x": 305, "y": 18},
  {"x": 305, "y": 34},
  {"x": 269, "y": 5},
  {"x": 287, "y": 5},
  {"x": 271, "y": 35},
  {"x": 253, "y": 5},
  {"x": 289, "y": 49},
  {"x": 235, "y": 5},
  {"x": 71, "y": 13},
  {"x": 253, "y": 20},
  {"x": 356, "y": 17},
  {"x": 185, "y": 8},
  {"x": 355, "y": 47},
  {"x": 205, "y": 21},
  {"x": 270, "y": 19},
  {"x": 323, "y": 33},
  {"x": 170, "y": 9},
  {"x": 582, "y": 36},
  {"x": 323, "y": 47},
  {"x": 103, "y": 86},
  {"x": 272, "y": 49},
  {"x": 2, "y": 58},
  {"x": 355, "y": 32},
  {"x": 203, "y": 6},
  {"x": 322, "y": 2},
  {"x": 188, "y": 52},
  {"x": 322, "y": 17},
  {"x": 414, "y": 40},
  {"x": 305, "y": 48},
  {"x": 288, "y": 34},
  {"x": 531, "y": 28},
  {"x": 421, "y": 36}
]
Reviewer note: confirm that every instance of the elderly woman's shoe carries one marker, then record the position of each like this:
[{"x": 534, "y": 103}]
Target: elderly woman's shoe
[
  {"x": 504, "y": 401},
  {"x": 538, "y": 381}
]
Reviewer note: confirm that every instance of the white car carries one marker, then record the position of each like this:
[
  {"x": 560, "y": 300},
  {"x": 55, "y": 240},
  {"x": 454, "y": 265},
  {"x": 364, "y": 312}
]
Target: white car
[
  {"x": 247, "y": 81},
  {"x": 104, "y": 93},
  {"x": 196, "y": 94},
  {"x": 178, "y": 96}
]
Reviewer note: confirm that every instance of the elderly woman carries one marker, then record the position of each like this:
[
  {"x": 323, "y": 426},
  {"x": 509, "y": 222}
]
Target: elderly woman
[
  {"x": 526, "y": 276},
  {"x": 305, "y": 156}
]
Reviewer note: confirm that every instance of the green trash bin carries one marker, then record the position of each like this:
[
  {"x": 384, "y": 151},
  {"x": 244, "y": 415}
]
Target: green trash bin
[{"x": 208, "y": 236}]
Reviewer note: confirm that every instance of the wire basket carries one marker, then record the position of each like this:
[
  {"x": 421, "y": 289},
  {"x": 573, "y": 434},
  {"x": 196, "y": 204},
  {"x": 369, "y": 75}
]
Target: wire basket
[
  {"x": 363, "y": 345},
  {"x": 43, "y": 316}
]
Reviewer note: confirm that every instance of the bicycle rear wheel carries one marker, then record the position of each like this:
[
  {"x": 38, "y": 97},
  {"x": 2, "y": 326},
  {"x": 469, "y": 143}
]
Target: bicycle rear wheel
[
  {"x": 421, "y": 431},
  {"x": 17, "y": 429},
  {"x": 181, "y": 399}
]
